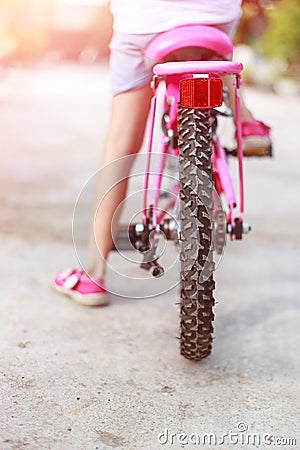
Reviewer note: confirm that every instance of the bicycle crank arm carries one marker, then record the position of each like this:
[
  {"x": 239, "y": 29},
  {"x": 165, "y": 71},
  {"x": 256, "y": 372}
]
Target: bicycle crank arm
[
  {"x": 136, "y": 236},
  {"x": 154, "y": 267}
]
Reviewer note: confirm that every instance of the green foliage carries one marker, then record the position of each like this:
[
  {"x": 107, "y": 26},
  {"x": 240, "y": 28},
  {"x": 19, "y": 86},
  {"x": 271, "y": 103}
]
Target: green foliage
[{"x": 282, "y": 36}]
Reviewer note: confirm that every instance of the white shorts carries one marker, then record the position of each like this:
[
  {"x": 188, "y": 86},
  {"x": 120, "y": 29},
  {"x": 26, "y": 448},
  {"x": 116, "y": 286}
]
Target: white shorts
[{"x": 127, "y": 63}]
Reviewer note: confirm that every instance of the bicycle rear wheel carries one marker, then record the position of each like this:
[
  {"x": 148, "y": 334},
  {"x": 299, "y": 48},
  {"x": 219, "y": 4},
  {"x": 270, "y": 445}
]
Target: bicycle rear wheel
[{"x": 196, "y": 230}]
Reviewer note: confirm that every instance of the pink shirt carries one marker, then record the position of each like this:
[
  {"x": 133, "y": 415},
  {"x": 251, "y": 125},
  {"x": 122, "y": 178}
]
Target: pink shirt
[{"x": 155, "y": 16}]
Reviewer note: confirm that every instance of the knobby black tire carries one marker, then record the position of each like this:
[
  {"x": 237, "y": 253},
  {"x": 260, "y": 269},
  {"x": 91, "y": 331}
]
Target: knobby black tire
[{"x": 196, "y": 210}]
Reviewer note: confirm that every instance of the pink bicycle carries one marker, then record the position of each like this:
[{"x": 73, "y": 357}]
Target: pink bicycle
[{"x": 192, "y": 61}]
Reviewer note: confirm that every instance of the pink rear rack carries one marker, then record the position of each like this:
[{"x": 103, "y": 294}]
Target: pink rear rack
[{"x": 198, "y": 67}]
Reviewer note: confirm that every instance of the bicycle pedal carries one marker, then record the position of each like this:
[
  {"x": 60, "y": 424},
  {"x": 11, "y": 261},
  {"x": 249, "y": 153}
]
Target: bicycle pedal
[{"x": 258, "y": 152}]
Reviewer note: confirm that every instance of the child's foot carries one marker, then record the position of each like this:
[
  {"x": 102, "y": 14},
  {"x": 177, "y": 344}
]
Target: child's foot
[
  {"x": 75, "y": 284},
  {"x": 256, "y": 138}
]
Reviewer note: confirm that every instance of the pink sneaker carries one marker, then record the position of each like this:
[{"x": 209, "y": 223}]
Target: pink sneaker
[
  {"x": 256, "y": 138},
  {"x": 80, "y": 288}
]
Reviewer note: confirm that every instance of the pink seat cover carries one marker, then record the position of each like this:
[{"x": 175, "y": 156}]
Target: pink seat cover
[{"x": 189, "y": 36}]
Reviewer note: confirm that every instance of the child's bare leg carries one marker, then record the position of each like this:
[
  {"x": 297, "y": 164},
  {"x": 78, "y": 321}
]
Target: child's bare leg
[{"x": 124, "y": 137}]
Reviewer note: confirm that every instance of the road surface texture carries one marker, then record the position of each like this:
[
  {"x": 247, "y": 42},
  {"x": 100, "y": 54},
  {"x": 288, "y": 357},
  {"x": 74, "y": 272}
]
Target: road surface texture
[{"x": 76, "y": 378}]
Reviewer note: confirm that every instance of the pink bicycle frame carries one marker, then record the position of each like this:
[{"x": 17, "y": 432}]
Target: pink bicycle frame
[{"x": 172, "y": 73}]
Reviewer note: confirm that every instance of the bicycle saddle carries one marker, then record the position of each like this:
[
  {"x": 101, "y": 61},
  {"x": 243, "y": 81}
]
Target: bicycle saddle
[{"x": 189, "y": 36}]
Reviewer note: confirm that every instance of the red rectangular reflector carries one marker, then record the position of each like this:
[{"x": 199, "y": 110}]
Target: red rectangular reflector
[{"x": 201, "y": 93}]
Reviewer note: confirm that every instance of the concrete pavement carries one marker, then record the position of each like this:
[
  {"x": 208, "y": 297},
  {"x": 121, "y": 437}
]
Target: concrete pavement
[{"x": 86, "y": 379}]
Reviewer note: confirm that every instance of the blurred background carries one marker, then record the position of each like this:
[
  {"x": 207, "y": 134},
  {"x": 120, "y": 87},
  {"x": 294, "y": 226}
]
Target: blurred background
[
  {"x": 76, "y": 378},
  {"x": 32, "y": 31},
  {"x": 55, "y": 30}
]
